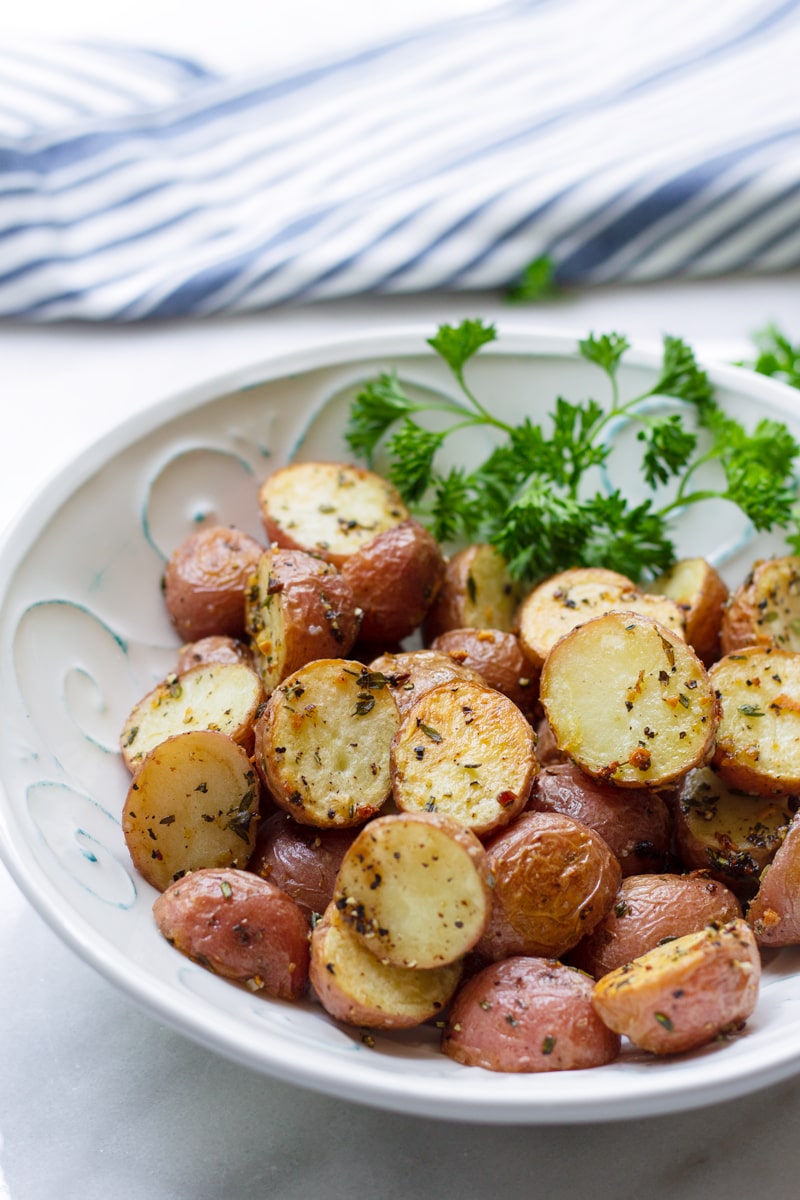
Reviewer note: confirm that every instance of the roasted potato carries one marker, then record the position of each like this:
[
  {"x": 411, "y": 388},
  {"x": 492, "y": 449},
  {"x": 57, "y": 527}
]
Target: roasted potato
[
  {"x": 412, "y": 673},
  {"x": 354, "y": 986},
  {"x": 547, "y": 752},
  {"x": 572, "y": 597},
  {"x": 414, "y": 888},
  {"x": 635, "y": 824},
  {"x": 498, "y": 659},
  {"x": 629, "y": 701},
  {"x": 394, "y": 579},
  {"x": 213, "y": 650},
  {"x": 328, "y": 509},
  {"x": 323, "y": 741},
  {"x": 299, "y": 859},
  {"x": 649, "y": 910},
  {"x": 465, "y": 751},
  {"x": 192, "y": 803},
  {"x": 684, "y": 994},
  {"x": 758, "y": 740},
  {"x": 219, "y": 696},
  {"x": 554, "y": 880},
  {"x": 205, "y": 581},
  {"x": 765, "y": 609},
  {"x": 528, "y": 1014},
  {"x": 298, "y": 608},
  {"x": 702, "y": 594},
  {"x": 477, "y": 592},
  {"x": 774, "y": 913}
]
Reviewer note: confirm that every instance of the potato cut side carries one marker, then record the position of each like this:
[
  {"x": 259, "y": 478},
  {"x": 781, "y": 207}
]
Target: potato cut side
[
  {"x": 477, "y": 592},
  {"x": 701, "y": 593},
  {"x": 217, "y": 696},
  {"x": 354, "y": 986},
  {"x": 193, "y": 803},
  {"x": 629, "y": 701},
  {"x": 573, "y": 597},
  {"x": 327, "y": 508},
  {"x": 465, "y": 751},
  {"x": 414, "y": 888},
  {"x": 685, "y": 993},
  {"x": 323, "y": 743},
  {"x": 765, "y": 610},
  {"x": 758, "y": 742}
]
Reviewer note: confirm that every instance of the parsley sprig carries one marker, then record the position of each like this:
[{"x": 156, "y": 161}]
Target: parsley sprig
[{"x": 533, "y": 496}]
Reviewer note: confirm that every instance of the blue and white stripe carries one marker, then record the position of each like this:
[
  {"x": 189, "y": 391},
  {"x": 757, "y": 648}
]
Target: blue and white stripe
[{"x": 625, "y": 139}]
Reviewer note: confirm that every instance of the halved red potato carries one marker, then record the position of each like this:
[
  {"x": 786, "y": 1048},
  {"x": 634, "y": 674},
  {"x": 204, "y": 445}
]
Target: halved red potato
[
  {"x": 497, "y": 657},
  {"x": 528, "y": 1014},
  {"x": 547, "y": 751},
  {"x": 774, "y": 913},
  {"x": 322, "y": 743},
  {"x": 765, "y": 609},
  {"x": 635, "y": 824},
  {"x": 354, "y": 986},
  {"x": 219, "y": 696},
  {"x": 213, "y": 650},
  {"x": 569, "y": 599},
  {"x": 205, "y": 581},
  {"x": 193, "y": 803},
  {"x": 554, "y": 880},
  {"x": 299, "y": 859},
  {"x": 701, "y": 593},
  {"x": 412, "y": 673},
  {"x": 298, "y": 608},
  {"x": 730, "y": 833},
  {"x": 328, "y": 509},
  {"x": 686, "y": 993},
  {"x": 415, "y": 889},
  {"x": 649, "y": 910},
  {"x": 394, "y": 579},
  {"x": 758, "y": 740},
  {"x": 465, "y": 751},
  {"x": 629, "y": 701},
  {"x": 477, "y": 591},
  {"x": 240, "y": 927}
]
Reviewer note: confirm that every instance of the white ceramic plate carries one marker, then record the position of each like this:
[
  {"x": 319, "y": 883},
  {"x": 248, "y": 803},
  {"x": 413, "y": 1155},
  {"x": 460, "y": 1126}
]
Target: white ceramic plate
[{"x": 84, "y": 635}]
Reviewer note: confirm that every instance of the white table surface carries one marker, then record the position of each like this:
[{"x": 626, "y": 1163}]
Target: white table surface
[{"x": 97, "y": 1099}]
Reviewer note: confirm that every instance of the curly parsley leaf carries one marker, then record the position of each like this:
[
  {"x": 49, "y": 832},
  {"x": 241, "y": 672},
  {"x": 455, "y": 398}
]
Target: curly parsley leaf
[
  {"x": 456, "y": 344},
  {"x": 669, "y": 448},
  {"x": 682, "y": 378},
  {"x": 376, "y": 407},
  {"x": 538, "y": 279},
  {"x": 777, "y": 356},
  {"x": 411, "y": 454},
  {"x": 605, "y": 351}
]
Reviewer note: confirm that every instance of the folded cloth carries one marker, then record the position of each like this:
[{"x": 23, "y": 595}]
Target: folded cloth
[{"x": 619, "y": 139}]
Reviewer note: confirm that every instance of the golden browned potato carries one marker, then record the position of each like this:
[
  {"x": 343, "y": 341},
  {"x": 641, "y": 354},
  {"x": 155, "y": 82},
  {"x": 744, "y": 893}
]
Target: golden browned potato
[
  {"x": 354, "y": 986},
  {"x": 774, "y": 913},
  {"x": 497, "y": 657},
  {"x": 298, "y": 608},
  {"x": 238, "y": 926},
  {"x": 649, "y": 910},
  {"x": 686, "y": 993},
  {"x": 629, "y": 701},
  {"x": 465, "y": 751},
  {"x": 205, "y": 582},
  {"x": 394, "y": 580},
  {"x": 635, "y": 824},
  {"x": 412, "y": 673},
  {"x": 569, "y": 599},
  {"x": 299, "y": 859},
  {"x": 414, "y": 888},
  {"x": 554, "y": 879},
  {"x": 219, "y": 696},
  {"x": 528, "y": 1014},
  {"x": 192, "y": 803},
  {"x": 213, "y": 650},
  {"x": 765, "y": 610},
  {"x": 729, "y": 833},
  {"x": 477, "y": 591},
  {"x": 758, "y": 740},
  {"x": 701, "y": 593},
  {"x": 328, "y": 509},
  {"x": 323, "y": 743}
]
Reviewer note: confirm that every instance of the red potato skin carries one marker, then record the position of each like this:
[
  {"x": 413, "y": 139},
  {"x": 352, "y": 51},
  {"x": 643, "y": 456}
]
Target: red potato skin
[
  {"x": 528, "y": 1015},
  {"x": 212, "y": 649},
  {"x": 300, "y": 860},
  {"x": 394, "y": 579},
  {"x": 496, "y": 656},
  {"x": 774, "y": 913},
  {"x": 239, "y": 926},
  {"x": 649, "y": 910},
  {"x": 205, "y": 582},
  {"x": 555, "y": 879},
  {"x": 411, "y": 674},
  {"x": 636, "y": 825}
]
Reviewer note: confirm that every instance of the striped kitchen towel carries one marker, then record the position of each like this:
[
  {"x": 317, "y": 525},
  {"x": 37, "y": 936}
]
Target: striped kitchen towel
[{"x": 619, "y": 139}]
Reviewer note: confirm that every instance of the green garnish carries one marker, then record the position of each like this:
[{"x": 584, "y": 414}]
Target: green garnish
[
  {"x": 533, "y": 496},
  {"x": 751, "y": 710},
  {"x": 777, "y": 357},
  {"x": 538, "y": 280}
]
